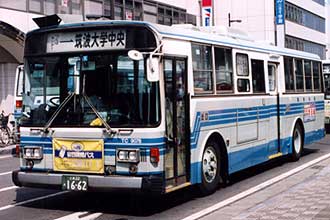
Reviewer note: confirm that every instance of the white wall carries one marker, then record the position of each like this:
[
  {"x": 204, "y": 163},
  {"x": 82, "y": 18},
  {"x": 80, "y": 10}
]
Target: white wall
[
  {"x": 257, "y": 17},
  {"x": 328, "y": 29}
]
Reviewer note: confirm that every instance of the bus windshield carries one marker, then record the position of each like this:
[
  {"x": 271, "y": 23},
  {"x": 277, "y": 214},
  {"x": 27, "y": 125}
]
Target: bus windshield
[{"x": 113, "y": 83}]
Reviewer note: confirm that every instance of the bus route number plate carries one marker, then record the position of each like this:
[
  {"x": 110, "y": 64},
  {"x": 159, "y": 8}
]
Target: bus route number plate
[{"x": 75, "y": 183}]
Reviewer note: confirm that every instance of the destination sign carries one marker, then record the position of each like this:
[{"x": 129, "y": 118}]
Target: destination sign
[{"x": 86, "y": 41}]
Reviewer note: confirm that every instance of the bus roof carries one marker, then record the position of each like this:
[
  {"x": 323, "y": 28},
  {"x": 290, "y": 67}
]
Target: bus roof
[{"x": 192, "y": 33}]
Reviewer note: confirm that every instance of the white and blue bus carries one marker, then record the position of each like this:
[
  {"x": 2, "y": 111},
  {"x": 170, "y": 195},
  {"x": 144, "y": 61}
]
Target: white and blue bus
[
  {"x": 141, "y": 106},
  {"x": 326, "y": 75}
]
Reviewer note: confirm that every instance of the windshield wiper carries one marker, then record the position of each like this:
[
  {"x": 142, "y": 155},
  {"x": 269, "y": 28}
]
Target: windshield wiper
[
  {"x": 60, "y": 107},
  {"x": 109, "y": 130}
]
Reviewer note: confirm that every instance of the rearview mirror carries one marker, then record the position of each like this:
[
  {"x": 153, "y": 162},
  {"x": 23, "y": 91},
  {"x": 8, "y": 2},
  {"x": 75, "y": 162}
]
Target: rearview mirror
[
  {"x": 135, "y": 55},
  {"x": 153, "y": 69}
]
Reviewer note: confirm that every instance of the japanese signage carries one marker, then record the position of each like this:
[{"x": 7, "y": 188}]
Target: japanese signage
[
  {"x": 86, "y": 40},
  {"x": 309, "y": 112},
  {"x": 78, "y": 156},
  {"x": 207, "y": 12},
  {"x": 280, "y": 12}
]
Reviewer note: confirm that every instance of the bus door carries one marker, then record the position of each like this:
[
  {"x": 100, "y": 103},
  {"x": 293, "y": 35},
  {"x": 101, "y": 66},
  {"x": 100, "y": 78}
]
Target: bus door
[
  {"x": 274, "y": 123},
  {"x": 177, "y": 157}
]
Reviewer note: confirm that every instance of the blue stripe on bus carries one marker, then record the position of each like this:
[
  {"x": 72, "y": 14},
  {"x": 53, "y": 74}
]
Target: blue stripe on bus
[
  {"x": 254, "y": 155},
  {"x": 234, "y": 115},
  {"x": 93, "y": 154}
]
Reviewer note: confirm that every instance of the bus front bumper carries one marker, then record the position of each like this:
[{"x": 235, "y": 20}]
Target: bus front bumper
[{"x": 153, "y": 184}]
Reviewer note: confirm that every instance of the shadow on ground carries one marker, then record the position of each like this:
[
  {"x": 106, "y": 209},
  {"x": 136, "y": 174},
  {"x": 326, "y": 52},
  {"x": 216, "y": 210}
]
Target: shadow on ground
[{"x": 135, "y": 204}]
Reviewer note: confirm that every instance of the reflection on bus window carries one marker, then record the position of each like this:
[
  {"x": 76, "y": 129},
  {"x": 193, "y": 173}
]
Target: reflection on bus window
[{"x": 115, "y": 85}]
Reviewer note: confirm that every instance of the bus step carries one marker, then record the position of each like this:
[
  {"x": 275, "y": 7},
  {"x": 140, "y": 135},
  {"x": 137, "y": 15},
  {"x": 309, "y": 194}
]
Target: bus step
[
  {"x": 172, "y": 188},
  {"x": 275, "y": 155}
]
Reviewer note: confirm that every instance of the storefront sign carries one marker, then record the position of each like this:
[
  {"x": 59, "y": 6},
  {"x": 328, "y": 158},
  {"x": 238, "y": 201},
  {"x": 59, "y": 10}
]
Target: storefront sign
[
  {"x": 280, "y": 11},
  {"x": 207, "y": 12}
]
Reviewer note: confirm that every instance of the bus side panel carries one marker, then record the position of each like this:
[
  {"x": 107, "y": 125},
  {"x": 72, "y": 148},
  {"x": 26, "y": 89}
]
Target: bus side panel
[
  {"x": 309, "y": 108},
  {"x": 235, "y": 119}
]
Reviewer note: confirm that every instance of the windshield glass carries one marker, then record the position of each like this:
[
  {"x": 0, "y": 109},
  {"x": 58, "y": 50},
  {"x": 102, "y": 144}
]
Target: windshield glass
[
  {"x": 113, "y": 83},
  {"x": 327, "y": 85}
]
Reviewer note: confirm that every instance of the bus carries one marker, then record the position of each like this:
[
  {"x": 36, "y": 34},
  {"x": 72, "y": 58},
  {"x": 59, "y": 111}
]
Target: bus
[
  {"x": 152, "y": 108},
  {"x": 326, "y": 75}
]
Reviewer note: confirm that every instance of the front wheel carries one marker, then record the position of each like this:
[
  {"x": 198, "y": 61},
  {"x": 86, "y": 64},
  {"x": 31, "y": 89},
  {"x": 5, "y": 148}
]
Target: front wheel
[
  {"x": 297, "y": 142},
  {"x": 210, "y": 169}
]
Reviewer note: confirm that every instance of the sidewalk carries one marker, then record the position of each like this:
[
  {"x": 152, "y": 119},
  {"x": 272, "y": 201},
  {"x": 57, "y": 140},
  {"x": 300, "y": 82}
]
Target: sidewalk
[
  {"x": 303, "y": 196},
  {"x": 7, "y": 150}
]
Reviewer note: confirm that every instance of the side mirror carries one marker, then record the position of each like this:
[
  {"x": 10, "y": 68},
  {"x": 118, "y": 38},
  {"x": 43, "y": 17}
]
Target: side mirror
[{"x": 153, "y": 69}]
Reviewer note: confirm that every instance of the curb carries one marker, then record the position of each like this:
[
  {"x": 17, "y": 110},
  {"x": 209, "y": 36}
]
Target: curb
[{"x": 11, "y": 149}]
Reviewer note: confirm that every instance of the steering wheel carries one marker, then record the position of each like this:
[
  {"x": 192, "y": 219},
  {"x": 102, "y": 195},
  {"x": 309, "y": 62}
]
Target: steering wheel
[{"x": 55, "y": 101}]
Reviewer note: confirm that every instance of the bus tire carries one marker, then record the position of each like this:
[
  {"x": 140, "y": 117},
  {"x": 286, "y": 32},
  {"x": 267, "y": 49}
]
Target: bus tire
[
  {"x": 297, "y": 142},
  {"x": 210, "y": 168}
]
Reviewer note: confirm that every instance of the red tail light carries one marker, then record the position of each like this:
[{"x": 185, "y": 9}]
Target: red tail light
[
  {"x": 18, "y": 141},
  {"x": 19, "y": 103},
  {"x": 154, "y": 155}
]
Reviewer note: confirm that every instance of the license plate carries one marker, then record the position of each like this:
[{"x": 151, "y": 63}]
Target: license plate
[{"x": 75, "y": 183}]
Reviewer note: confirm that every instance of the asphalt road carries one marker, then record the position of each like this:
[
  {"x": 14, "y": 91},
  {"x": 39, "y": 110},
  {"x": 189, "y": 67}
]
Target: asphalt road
[{"x": 113, "y": 206}]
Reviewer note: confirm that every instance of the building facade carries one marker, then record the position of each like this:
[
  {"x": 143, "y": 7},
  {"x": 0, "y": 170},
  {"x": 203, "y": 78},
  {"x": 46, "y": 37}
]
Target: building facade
[
  {"x": 303, "y": 24},
  {"x": 327, "y": 30},
  {"x": 16, "y": 20}
]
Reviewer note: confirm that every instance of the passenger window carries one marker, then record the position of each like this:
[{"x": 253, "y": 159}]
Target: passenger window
[
  {"x": 242, "y": 70},
  {"x": 299, "y": 74},
  {"x": 316, "y": 76},
  {"x": 242, "y": 64},
  {"x": 202, "y": 68},
  {"x": 272, "y": 76},
  {"x": 258, "y": 76},
  {"x": 223, "y": 70},
  {"x": 308, "y": 74},
  {"x": 288, "y": 71},
  {"x": 243, "y": 85}
]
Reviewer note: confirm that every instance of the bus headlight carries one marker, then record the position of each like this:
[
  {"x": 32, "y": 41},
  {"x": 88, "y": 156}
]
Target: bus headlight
[
  {"x": 128, "y": 155},
  {"x": 32, "y": 152}
]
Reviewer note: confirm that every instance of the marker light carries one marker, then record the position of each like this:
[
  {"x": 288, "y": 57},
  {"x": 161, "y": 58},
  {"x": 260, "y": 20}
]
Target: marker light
[
  {"x": 128, "y": 155},
  {"x": 154, "y": 155},
  {"x": 32, "y": 152}
]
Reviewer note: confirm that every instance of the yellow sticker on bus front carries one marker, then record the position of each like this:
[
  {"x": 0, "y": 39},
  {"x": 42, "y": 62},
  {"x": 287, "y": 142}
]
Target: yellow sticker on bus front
[{"x": 83, "y": 156}]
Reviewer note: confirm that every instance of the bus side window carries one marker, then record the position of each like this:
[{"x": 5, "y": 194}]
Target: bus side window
[
  {"x": 202, "y": 68},
  {"x": 258, "y": 76},
  {"x": 242, "y": 71},
  {"x": 223, "y": 70},
  {"x": 272, "y": 76}
]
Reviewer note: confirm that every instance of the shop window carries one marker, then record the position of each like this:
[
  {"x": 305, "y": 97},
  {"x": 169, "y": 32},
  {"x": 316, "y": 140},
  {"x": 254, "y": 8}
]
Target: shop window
[
  {"x": 50, "y": 7},
  {"x": 93, "y": 7},
  {"x": 16, "y": 4}
]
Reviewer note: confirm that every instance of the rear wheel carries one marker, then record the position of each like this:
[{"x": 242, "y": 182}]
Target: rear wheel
[
  {"x": 297, "y": 142},
  {"x": 210, "y": 168}
]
